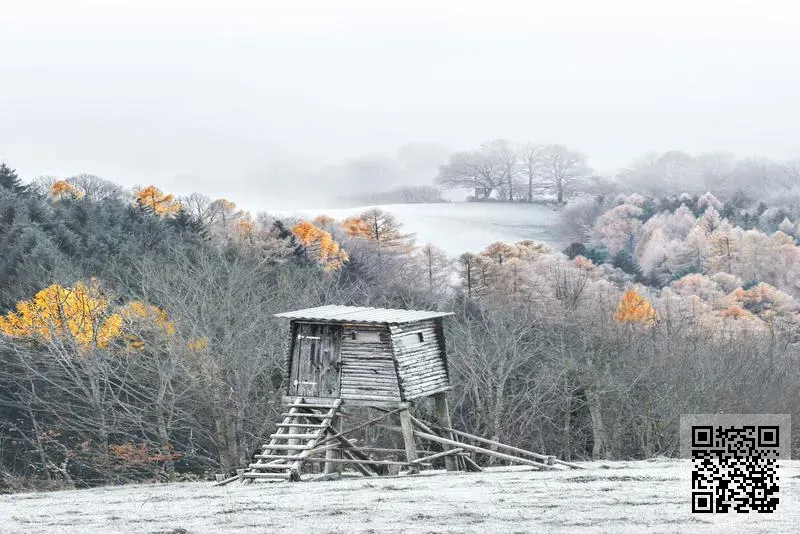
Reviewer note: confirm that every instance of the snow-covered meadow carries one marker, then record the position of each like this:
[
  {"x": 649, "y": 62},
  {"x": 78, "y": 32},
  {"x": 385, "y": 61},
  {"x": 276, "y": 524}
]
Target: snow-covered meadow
[
  {"x": 641, "y": 496},
  {"x": 460, "y": 227}
]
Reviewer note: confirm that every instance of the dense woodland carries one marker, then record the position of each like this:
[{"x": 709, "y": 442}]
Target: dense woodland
[{"x": 137, "y": 339}]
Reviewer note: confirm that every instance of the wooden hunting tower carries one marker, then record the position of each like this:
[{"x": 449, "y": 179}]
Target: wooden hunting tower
[
  {"x": 384, "y": 359},
  {"x": 366, "y": 356}
]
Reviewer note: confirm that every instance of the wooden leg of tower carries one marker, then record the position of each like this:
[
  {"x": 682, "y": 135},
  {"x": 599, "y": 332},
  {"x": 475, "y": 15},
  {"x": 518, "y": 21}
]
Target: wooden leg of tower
[
  {"x": 443, "y": 418},
  {"x": 334, "y": 454},
  {"x": 408, "y": 438}
]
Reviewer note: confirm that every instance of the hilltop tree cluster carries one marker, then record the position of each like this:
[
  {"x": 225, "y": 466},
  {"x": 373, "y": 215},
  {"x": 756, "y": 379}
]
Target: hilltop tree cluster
[{"x": 514, "y": 171}]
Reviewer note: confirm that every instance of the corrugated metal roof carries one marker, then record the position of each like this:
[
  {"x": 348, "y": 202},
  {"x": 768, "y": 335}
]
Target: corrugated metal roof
[{"x": 356, "y": 314}]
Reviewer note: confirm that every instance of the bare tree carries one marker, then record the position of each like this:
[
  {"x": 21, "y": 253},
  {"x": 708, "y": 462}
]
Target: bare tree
[
  {"x": 562, "y": 169},
  {"x": 505, "y": 154},
  {"x": 200, "y": 207},
  {"x": 96, "y": 188},
  {"x": 530, "y": 156},
  {"x": 473, "y": 169}
]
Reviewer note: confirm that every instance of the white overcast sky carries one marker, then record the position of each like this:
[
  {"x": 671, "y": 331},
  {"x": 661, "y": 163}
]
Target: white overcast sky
[{"x": 178, "y": 93}]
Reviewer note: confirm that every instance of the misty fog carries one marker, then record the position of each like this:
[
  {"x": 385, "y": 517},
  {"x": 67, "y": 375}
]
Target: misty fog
[{"x": 278, "y": 104}]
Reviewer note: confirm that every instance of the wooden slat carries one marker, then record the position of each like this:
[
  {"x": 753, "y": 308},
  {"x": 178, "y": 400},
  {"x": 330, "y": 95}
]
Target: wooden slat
[
  {"x": 300, "y": 425},
  {"x": 313, "y": 406},
  {"x": 292, "y": 436},
  {"x": 360, "y": 397},
  {"x": 271, "y": 476},
  {"x": 269, "y": 466},
  {"x": 288, "y": 458},
  {"x": 423, "y": 381},
  {"x": 427, "y": 393},
  {"x": 287, "y": 447},
  {"x": 365, "y": 462},
  {"x": 426, "y": 383},
  {"x": 310, "y": 414}
]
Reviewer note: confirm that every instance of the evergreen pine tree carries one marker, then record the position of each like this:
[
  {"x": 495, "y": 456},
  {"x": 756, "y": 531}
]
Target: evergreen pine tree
[
  {"x": 9, "y": 180},
  {"x": 624, "y": 261}
]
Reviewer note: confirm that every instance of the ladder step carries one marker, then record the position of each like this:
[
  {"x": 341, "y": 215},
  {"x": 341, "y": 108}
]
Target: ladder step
[
  {"x": 270, "y": 476},
  {"x": 299, "y": 415},
  {"x": 293, "y": 436},
  {"x": 287, "y": 447},
  {"x": 277, "y": 467},
  {"x": 275, "y": 456},
  {"x": 303, "y": 405},
  {"x": 301, "y": 425}
]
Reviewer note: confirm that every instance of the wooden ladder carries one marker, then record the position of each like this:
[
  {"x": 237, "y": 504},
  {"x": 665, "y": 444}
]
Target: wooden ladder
[{"x": 303, "y": 426}]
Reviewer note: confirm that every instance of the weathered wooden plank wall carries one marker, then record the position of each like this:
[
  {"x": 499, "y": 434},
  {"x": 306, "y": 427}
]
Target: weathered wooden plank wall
[
  {"x": 421, "y": 364},
  {"x": 368, "y": 371}
]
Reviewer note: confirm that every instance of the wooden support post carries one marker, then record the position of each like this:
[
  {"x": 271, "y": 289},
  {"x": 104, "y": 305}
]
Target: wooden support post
[
  {"x": 333, "y": 453},
  {"x": 408, "y": 438},
  {"x": 443, "y": 418}
]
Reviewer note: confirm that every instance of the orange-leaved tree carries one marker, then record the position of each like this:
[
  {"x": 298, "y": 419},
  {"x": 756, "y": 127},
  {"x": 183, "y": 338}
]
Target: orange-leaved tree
[
  {"x": 153, "y": 199},
  {"x": 380, "y": 227},
  {"x": 635, "y": 309},
  {"x": 62, "y": 189},
  {"x": 327, "y": 252}
]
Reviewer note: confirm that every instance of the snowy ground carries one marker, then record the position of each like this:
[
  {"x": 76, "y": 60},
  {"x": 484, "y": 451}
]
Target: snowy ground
[
  {"x": 460, "y": 227},
  {"x": 647, "y": 496}
]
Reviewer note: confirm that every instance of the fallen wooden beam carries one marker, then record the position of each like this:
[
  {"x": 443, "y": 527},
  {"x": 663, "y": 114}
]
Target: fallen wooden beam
[
  {"x": 326, "y": 476},
  {"x": 362, "y": 468},
  {"x": 517, "y": 459},
  {"x": 470, "y": 464},
  {"x": 438, "y": 455},
  {"x": 504, "y": 446},
  {"x": 227, "y": 480}
]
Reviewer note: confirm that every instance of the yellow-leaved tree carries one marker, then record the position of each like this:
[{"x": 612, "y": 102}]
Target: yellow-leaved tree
[
  {"x": 81, "y": 314},
  {"x": 153, "y": 199},
  {"x": 139, "y": 318},
  {"x": 327, "y": 252},
  {"x": 245, "y": 230},
  {"x": 635, "y": 309},
  {"x": 62, "y": 189},
  {"x": 78, "y": 313}
]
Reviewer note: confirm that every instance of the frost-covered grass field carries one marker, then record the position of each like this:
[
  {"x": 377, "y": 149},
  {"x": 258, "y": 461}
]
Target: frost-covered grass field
[
  {"x": 460, "y": 227},
  {"x": 643, "y": 496}
]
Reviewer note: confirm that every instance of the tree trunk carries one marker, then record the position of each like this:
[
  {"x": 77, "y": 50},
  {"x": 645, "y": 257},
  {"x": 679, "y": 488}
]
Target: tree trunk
[
  {"x": 599, "y": 435},
  {"x": 530, "y": 187},
  {"x": 163, "y": 441},
  {"x": 496, "y": 419},
  {"x": 566, "y": 445}
]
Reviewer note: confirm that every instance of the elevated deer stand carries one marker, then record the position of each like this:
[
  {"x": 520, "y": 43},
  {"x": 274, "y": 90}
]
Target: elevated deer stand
[{"x": 387, "y": 360}]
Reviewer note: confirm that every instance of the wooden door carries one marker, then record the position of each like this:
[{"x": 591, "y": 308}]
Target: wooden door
[{"x": 316, "y": 361}]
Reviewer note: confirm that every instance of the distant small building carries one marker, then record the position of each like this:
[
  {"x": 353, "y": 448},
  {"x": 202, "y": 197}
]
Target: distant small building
[{"x": 482, "y": 193}]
